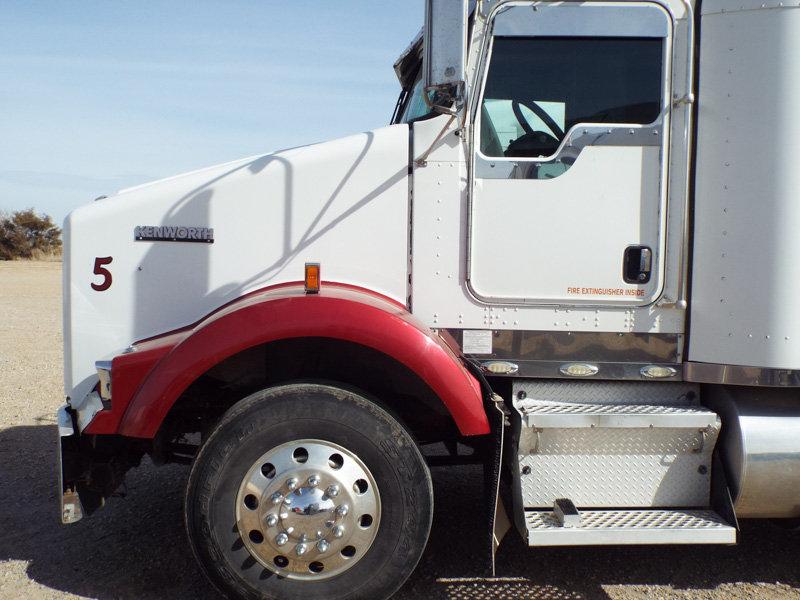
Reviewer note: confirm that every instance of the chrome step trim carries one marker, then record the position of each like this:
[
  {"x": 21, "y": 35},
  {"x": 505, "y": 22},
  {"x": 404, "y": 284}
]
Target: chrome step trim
[{"x": 545, "y": 415}]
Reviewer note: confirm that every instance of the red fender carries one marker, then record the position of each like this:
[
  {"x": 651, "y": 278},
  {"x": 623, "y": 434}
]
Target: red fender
[{"x": 339, "y": 312}]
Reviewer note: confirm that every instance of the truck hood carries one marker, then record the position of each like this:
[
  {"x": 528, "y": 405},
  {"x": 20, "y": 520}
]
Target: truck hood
[{"x": 237, "y": 227}]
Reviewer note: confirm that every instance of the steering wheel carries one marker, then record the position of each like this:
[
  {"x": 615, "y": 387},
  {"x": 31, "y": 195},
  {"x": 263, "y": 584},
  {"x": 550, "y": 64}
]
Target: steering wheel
[
  {"x": 534, "y": 143},
  {"x": 539, "y": 112}
]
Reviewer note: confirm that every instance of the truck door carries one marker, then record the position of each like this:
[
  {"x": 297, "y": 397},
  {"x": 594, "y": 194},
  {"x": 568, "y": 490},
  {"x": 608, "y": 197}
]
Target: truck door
[{"x": 568, "y": 197}]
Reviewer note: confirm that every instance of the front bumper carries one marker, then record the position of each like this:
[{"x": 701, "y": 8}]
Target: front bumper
[
  {"x": 90, "y": 467},
  {"x": 71, "y": 508}
]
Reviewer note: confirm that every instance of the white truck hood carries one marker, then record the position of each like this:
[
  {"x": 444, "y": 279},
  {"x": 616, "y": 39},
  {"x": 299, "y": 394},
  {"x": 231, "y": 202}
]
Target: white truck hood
[{"x": 342, "y": 203}]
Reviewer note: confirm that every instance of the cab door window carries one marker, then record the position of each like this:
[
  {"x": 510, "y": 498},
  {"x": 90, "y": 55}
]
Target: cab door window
[{"x": 538, "y": 88}]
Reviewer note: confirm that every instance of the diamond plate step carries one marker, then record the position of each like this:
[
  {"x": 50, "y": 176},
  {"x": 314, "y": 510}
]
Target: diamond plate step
[
  {"x": 613, "y": 527},
  {"x": 608, "y": 455},
  {"x": 548, "y": 414}
]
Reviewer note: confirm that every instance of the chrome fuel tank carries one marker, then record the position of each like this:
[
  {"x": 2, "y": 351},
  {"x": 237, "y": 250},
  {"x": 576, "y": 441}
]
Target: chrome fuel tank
[{"x": 760, "y": 447}]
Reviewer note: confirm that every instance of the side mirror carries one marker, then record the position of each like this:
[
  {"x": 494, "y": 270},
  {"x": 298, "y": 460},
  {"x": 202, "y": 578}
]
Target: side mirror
[{"x": 444, "y": 53}]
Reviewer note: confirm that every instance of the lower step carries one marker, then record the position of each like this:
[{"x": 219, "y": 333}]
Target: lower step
[{"x": 613, "y": 527}]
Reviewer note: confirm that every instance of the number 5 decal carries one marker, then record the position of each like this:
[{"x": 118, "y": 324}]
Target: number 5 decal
[{"x": 99, "y": 269}]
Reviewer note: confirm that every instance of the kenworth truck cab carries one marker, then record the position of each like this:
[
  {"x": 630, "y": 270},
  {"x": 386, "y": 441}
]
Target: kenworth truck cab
[{"x": 570, "y": 257}]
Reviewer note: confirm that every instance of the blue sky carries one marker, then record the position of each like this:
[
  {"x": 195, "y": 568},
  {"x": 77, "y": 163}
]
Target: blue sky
[{"x": 103, "y": 95}]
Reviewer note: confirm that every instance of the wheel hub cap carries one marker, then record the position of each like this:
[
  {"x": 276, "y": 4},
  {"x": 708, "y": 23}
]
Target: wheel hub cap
[{"x": 308, "y": 509}]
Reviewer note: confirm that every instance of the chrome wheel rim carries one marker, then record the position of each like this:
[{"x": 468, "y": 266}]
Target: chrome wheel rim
[{"x": 308, "y": 509}]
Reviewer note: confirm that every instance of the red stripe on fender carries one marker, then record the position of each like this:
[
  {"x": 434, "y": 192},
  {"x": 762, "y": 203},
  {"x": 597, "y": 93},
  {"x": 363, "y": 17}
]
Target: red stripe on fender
[{"x": 338, "y": 312}]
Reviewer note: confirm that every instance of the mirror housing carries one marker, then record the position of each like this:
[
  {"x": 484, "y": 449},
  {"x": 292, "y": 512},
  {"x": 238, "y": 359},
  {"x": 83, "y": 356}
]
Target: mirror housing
[{"x": 444, "y": 53}]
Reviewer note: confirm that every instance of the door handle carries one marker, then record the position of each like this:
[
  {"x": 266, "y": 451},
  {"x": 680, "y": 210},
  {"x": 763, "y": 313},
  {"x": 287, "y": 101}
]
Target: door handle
[{"x": 637, "y": 264}]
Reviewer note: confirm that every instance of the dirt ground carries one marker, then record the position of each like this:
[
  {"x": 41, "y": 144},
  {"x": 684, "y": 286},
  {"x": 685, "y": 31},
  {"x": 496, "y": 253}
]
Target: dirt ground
[{"x": 136, "y": 548}]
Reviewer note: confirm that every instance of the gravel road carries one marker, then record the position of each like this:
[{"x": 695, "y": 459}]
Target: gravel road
[{"x": 136, "y": 548}]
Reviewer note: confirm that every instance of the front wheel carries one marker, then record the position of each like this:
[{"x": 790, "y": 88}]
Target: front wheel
[{"x": 308, "y": 491}]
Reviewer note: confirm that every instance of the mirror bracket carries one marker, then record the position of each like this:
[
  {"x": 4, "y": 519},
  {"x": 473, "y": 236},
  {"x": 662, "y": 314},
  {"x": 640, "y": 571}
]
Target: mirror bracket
[{"x": 446, "y": 99}]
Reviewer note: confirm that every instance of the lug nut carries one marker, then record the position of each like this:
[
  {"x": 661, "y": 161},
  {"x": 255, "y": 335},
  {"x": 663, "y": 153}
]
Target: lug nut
[
  {"x": 281, "y": 539},
  {"x": 338, "y": 531},
  {"x": 301, "y": 549},
  {"x": 313, "y": 481},
  {"x": 332, "y": 491},
  {"x": 277, "y": 498},
  {"x": 323, "y": 546},
  {"x": 272, "y": 520},
  {"x": 291, "y": 483},
  {"x": 284, "y": 515},
  {"x": 342, "y": 510}
]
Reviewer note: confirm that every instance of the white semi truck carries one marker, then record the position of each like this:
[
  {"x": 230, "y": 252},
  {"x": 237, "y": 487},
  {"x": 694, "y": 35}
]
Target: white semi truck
[{"x": 572, "y": 256}]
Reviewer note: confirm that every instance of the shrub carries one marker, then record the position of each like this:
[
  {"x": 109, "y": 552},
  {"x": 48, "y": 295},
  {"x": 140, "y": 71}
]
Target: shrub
[{"x": 25, "y": 234}]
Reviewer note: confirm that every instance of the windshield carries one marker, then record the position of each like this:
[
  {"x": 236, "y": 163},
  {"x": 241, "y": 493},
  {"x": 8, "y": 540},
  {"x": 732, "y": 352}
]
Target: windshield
[{"x": 413, "y": 103}]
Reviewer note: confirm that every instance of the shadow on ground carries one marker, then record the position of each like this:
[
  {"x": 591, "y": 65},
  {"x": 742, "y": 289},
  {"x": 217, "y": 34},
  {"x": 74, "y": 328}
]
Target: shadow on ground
[{"x": 136, "y": 548}]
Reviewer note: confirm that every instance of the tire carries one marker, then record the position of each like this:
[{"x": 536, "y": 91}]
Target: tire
[{"x": 231, "y": 499}]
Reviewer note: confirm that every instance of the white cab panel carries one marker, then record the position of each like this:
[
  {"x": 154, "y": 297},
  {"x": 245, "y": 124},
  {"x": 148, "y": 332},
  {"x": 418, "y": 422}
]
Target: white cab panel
[
  {"x": 571, "y": 143},
  {"x": 453, "y": 288},
  {"x": 561, "y": 240},
  {"x": 747, "y": 201},
  {"x": 342, "y": 203},
  {"x": 441, "y": 297}
]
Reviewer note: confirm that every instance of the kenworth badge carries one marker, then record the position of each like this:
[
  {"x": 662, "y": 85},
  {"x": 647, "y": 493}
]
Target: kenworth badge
[{"x": 171, "y": 233}]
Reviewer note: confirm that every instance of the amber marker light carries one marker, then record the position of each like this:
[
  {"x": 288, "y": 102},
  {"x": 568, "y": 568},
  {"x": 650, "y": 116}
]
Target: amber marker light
[
  {"x": 579, "y": 370},
  {"x": 312, "y": 278}
]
